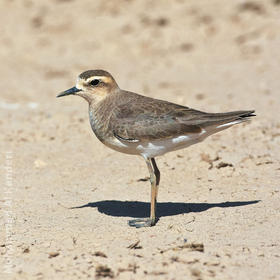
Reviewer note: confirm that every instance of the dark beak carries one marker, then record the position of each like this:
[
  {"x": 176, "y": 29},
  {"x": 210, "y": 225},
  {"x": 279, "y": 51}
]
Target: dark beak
[{"x": 69, "y": 91}]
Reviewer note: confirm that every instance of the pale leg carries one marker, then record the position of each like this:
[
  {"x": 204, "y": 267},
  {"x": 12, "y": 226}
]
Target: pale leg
[{"x": 154, "y": 179}]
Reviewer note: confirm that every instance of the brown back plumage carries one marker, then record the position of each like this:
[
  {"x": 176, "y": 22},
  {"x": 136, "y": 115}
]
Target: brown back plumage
[{"x": 138, "y": 117}]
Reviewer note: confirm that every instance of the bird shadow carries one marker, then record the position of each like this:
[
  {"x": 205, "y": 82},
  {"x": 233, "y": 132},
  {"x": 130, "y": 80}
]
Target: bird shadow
[{"x": 137, "y": 209}]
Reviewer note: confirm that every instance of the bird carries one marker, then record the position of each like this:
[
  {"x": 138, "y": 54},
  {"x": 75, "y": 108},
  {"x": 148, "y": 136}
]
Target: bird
[{"x": 135, "y": 124}]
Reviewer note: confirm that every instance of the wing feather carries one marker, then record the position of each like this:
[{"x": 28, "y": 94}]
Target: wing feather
[{"x": 144, "y": 118}]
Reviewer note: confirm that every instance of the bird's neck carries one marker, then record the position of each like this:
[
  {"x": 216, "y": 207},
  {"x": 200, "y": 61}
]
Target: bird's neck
[{"x": 99, "y": 117}]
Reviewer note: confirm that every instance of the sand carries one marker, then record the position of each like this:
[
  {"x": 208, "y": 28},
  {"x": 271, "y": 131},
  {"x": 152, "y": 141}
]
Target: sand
[{"x": 66, "y": 198}]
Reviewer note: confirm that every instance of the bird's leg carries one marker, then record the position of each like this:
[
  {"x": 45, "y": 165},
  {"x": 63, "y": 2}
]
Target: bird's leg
[
  {"x": 156, "y": 171},
  {"x": 154, "y": 179}
]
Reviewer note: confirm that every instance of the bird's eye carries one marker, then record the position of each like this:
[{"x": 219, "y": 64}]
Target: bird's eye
[{"x": 94, "y": 82}]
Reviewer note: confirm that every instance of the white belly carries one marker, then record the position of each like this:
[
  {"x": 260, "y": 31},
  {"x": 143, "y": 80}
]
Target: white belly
[
  {"x": 153, "y": 148},
  {"x": 160, "y": 147}
]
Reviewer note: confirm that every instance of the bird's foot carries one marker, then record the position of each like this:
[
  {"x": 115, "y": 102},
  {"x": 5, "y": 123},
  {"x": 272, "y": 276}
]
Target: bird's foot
[{"x": 145, "y": 222}]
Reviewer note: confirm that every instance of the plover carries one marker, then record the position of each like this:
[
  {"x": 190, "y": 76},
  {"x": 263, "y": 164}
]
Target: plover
[{"x": 139, "y": 125}]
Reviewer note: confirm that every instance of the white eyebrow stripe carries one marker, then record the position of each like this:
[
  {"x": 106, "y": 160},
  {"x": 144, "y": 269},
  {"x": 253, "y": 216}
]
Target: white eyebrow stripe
[
  {"x": 98, "y": 77},
  {"x": 80, "y": 83},
  {"x": 95, "y": 77}
]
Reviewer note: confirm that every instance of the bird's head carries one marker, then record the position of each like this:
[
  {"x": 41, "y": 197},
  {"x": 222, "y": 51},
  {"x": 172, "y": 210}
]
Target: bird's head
[{"x": 93, "y": 85}]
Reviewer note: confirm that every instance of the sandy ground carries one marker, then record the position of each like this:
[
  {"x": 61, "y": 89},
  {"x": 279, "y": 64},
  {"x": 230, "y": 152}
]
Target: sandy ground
[{"x": 66, "y": 198}]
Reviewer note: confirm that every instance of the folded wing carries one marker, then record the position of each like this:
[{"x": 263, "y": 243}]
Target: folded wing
[{"x": 156, "y": 119}]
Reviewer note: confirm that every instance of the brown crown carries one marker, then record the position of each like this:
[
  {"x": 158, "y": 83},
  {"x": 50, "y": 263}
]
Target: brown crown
[{"x": 90, "y": 73}]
